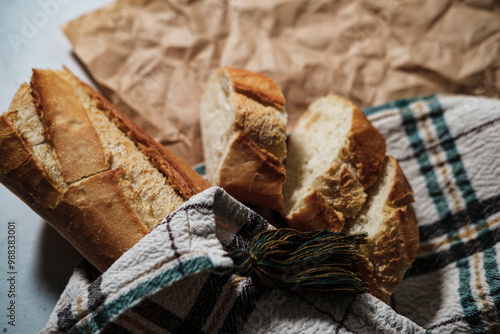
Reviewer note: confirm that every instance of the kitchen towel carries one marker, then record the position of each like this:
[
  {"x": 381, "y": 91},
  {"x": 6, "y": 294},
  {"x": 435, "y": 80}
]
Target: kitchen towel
[{"x": 177, "y": 279}]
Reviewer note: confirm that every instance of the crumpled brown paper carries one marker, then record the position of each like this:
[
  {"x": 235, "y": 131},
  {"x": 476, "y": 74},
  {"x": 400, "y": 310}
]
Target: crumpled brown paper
[{"x": 152, "y": 57}]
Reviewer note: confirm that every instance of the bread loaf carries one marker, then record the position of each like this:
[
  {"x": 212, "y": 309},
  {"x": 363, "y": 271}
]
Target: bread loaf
[
  {"x": 243, "y": 126},
  {"x": 391, "y": 224},
  {"x": 339, "y": 178},
  {"x": 334, "y": 155},
  {"x": 86, "y": 169}
]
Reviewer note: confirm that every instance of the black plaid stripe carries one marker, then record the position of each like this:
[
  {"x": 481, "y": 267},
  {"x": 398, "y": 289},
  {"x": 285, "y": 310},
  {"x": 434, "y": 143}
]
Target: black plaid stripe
[
  {"x": 489, "y": 207},
  {"x": 205, "y": 302},
  {"x": 95, "y": 295},
  {"x": 163, "y": 318},
  {"x": 65, "y": 319},
  {"x": 484, "y": 240},
  {"x": 495, "y": 327},
  {"x": 341, "y": 323},
  {"x": 346, "y": 314},
  {"x": 253, "y": 226},
  {"x": 316, "y": 308},
  {"x": 435, "y": 261},
  {"x": 449, "y": 139},
  {"x": 472, "y": 215},
  {"x": 473, "y": 208},
  {"x": 166, "y": 221},
  {"x": 195, "y": 206},
  {"x": 243, "y": 306},
  {"x": 113, "y": 328}
]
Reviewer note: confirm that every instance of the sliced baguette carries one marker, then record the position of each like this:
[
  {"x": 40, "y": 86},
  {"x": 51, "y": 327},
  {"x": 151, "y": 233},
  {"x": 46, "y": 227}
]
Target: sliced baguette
[
  {"x": 243, "y": 126},
  {"x": 334, "y": 155},
  {"x": 85, "y": 168},
  {"x": 393, "y": 236}
]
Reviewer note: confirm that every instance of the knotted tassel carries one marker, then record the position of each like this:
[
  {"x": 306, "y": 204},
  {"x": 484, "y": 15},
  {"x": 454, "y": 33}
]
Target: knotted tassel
[{"x": 319, "y": 260}]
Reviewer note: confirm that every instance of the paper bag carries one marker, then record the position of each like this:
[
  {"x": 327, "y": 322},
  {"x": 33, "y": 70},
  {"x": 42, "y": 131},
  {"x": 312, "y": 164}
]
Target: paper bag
[{"x": 152, "y": 58}]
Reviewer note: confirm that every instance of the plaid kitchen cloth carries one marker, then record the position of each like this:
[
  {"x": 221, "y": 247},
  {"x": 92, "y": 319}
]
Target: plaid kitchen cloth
[{"x": 177, "y": 279}]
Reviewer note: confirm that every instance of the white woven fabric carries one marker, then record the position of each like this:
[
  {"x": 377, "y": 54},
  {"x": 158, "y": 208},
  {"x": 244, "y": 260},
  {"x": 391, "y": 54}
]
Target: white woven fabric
[
  {"x": 177, "y": 278},
  {"x": 183, "y": 259}
]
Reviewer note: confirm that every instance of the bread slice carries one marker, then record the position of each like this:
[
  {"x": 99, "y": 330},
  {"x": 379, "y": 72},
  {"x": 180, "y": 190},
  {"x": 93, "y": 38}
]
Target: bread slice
[
  {"x": 85, "y": 168},
  {"x": 393, "y": 236},
  {"x": 243, "y": 126},
  {"x": 334, "y": 155}
]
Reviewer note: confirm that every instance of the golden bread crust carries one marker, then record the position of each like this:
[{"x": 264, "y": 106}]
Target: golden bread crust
[
  {"x": 344, "y": 178},
  {"x": 252, "y": 174},
  {"x": 364, "y": 268},
  {"x": 88, "y": 205},
  {"x": 393, "y": 248},
  {"x": 257, "y": 86},
  {"x": 179, "y": 174},
  {"x": 261, "y": 124},
  {"x": 84, "y": 208},
  {"x": 366, "y": 148},
  {"x": 316, "y": 214},
  {"x": 342, "y": 190},
  {"x": 250, "y": 148},
  {"x": 33, "y": 179},
  {"x": 401, "y": 193},
  {"x": 72, "y": 134},
  {"x": 13, "y": 149},
  {"x": 19, "y": 169}
]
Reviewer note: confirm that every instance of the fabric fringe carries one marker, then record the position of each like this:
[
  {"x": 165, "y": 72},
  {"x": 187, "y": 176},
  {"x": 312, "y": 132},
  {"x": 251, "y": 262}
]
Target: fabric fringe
[{"x": 319, "y": 260}]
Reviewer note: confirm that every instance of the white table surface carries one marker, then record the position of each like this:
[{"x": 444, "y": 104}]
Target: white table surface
[{"x": 44, "y": 260}]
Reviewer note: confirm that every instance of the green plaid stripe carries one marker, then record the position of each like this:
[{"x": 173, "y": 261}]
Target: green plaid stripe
[
  {"x": 397, "y": 105},
  {"x": 200, "y": 169},
  {"x": 410, "y": 126},
  {"x": 103, "y": 314},
  {"x": 469, "y": 307},
  {"x": 108, "y": 311},
  {"x": 457, "y": 248},
  {"x": 473, "y": 207}
]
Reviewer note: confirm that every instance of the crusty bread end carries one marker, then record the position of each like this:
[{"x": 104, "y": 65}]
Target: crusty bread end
[
  {"x": 86, "y": 168},
  {"x": 391, "y": 224},
  {"x": 243, "y": 123},
  {"x": 335, "y": 153}
]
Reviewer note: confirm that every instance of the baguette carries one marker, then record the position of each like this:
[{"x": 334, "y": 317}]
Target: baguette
[
  {"x": 334, "y": 155},
  {"x": 243, "y": 126},
  {"x": 393, "y": 237},
  {"x": 87, "y": 169}
]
